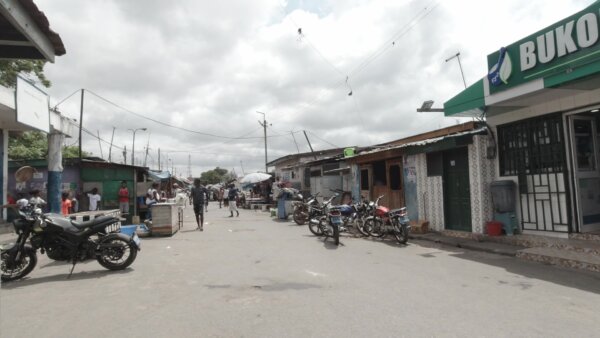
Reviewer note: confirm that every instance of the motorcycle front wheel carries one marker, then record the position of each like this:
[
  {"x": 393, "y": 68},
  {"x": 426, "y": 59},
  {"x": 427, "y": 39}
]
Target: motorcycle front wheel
[
  {"x": 361, "y": 225},
  {"x": 401, "y": 233},
  {"x": 116, "y": 253},
  {"x": 375, "y": 227},
  {"x": 300, "y": 216},
  {"x": 315, "y": 228},
  {"x": 20, "y": 269}
]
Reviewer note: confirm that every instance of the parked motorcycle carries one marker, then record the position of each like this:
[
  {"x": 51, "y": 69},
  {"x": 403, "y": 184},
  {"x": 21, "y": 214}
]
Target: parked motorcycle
[
  {"x": 328, "y": 225},
  {"x": 305, "y": 209},
  {"x": 398, "y": 225},
  {"x": 318, "y": 217},
  {"x": 63, "y": 239}
]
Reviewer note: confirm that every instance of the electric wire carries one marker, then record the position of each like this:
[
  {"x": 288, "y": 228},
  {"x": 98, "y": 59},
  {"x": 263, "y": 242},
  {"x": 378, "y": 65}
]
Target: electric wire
[{"x": 164, "y": 123}]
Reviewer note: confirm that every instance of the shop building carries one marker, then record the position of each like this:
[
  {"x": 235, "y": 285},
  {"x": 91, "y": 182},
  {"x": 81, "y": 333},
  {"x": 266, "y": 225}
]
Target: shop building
[{"x": 541, "y": 99}]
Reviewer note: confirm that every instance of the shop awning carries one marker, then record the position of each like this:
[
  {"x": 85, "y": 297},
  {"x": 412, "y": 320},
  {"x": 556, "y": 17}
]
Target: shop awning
[{"x": 468, "y": 103}]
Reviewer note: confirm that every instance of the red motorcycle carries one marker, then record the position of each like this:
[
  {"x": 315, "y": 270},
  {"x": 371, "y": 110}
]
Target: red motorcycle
[{"x": 383, "y": 222}]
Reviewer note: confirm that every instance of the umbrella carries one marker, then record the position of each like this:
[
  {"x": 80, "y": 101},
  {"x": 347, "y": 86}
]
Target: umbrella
[{"x": 255, "y": 178}]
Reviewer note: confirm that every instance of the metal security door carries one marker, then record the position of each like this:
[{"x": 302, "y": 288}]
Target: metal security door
[
  {"x": 584, "y": 140},
  {"x": 457, "y": 194}
]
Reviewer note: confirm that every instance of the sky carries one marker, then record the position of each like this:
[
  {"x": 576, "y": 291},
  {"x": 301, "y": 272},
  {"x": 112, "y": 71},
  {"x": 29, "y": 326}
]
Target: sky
[{"x": 195, "y": 74}]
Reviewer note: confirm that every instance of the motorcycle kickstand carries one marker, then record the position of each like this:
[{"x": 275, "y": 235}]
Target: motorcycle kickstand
[{"x": 72, "y": 267}]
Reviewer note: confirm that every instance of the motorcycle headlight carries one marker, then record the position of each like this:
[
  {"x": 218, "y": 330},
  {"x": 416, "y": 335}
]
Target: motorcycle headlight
[{"x": 371, "y": 204}]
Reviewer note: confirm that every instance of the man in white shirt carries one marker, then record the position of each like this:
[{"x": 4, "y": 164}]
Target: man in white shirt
[
  {"x": 94, "y": 198},
  {"x": 36, "y": 199}
]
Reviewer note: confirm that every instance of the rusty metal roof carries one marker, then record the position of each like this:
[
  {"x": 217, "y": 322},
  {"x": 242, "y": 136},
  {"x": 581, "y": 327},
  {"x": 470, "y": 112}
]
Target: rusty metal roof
[{"x": 9, "y": 32}]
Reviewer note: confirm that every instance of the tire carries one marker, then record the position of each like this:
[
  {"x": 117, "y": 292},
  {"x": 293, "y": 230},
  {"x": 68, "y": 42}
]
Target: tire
[
  {"x": 28, "y": 263},
  {"x": 300, "y": 216},
  {"x": 315, "y": 228},
  {"x": 401, "y": 233},
  {"x": 336, "y": 235},
  {"x": 375, "y": 227},
  {"x": 361, "y": 226},
  {"x": 111, "y": 250}
]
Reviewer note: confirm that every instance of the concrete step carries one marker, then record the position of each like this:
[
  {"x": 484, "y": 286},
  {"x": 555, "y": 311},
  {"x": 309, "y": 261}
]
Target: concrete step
[{"x": 561, "y": 257}]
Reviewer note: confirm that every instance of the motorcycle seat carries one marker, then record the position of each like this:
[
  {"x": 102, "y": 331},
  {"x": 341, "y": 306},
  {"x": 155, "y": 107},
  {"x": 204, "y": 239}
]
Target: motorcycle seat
[{"x": 97, "y": 220}]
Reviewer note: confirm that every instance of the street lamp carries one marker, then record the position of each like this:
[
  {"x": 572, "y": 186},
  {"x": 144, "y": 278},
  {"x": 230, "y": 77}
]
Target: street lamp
[
  {"x": 426, "y": 108},
  {"x": 133, "y": 145}
]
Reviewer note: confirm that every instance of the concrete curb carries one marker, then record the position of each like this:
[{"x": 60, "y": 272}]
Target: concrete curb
[{"x": 488, "y": 247}]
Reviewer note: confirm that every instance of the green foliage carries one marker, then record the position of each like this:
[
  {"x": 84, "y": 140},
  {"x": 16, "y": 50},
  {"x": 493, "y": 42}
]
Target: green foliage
[
  {"x": 28, "y": 145},
  {"x": 34, "y": 145},
  {"x": 214, "y": 176},
  {"x": 11, "y": 67}
]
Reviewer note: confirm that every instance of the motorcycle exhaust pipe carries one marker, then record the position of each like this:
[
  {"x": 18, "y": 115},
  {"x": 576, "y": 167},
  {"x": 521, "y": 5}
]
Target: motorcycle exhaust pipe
[{"x": 315, "y": 221}]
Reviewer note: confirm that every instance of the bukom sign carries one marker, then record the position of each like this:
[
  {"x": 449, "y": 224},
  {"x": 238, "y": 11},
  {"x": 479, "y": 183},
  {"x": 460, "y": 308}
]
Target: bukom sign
[{"x": 571, "y": 43}]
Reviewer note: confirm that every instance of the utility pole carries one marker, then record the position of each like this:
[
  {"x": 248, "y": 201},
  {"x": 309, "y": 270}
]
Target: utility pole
[
  {"x": 99, "y": 143},
  {"x": 242, "y": 165},
  {"x": 296, "y": 143},
  {"x": 264, "y": 125},
  {"x": 158, "y": 159},
  {"x": 125, "y": 154},
  {"x": 457, "y": 56},
  {"x": 80, "y": 123},
  {"x": 111, "y": 143},
  {"x": 311, "y": 149},
  {"x": 146, "y": 157}
]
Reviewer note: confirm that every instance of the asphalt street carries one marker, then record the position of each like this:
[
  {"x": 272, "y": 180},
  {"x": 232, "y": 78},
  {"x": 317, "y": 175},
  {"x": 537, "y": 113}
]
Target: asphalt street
[{"x": 254, "y": 276}]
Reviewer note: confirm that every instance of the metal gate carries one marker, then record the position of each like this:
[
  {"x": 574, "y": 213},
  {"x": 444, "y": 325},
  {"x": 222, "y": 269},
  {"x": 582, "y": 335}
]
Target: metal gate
[{"x": 534, "y": 151}]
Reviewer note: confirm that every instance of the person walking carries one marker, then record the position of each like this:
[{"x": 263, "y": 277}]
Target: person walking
[
  {"x": 197, "y": 199},
  {"x": 124, "y": 198},
  {"x": 232, "y": 194}
]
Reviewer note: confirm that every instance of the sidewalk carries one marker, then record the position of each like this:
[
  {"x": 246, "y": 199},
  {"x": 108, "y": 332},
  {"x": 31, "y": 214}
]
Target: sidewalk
[
  {"x": 568, "y": 253},
  {"x": 470, "y": 244}
]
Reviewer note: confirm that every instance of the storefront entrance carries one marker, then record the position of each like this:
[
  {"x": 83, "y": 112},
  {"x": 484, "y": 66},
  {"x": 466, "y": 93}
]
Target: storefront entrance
[
  {"x": 457, "y": 195},
  {"x": 585, "y": 143}
]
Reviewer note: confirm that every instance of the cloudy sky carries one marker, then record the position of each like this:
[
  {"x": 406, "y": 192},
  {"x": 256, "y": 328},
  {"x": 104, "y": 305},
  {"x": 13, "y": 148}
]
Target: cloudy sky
[{"x": 195, "y": 73}]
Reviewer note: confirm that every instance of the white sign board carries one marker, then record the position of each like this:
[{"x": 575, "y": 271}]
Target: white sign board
[{"x": 32, "y": 106}]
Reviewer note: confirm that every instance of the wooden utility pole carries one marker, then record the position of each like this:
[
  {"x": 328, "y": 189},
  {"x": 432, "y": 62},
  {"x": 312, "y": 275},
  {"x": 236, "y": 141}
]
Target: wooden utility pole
[
  {"x": 311, "y": 149},
  {"x": 264, "y": 125},
  {"x": 111, "y": 143}
]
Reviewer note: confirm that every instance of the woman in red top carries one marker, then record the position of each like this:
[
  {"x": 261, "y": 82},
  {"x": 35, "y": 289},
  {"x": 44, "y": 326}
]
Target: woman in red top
[{"x": 65, "y": 204}]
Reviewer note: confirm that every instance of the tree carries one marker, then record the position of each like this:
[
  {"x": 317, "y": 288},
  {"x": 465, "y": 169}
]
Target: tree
[
  {"x": 214, "y": 176},
  {"x": 34, "y": 145},
  {"x": 11, "y": 67}
]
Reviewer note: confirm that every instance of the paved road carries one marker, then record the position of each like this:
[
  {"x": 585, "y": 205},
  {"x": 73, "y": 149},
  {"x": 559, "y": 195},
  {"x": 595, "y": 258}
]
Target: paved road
[{"x": 255, "y": 277}]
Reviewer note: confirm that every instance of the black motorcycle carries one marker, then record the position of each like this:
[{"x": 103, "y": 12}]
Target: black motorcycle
[{"x": 63, "y": 239}]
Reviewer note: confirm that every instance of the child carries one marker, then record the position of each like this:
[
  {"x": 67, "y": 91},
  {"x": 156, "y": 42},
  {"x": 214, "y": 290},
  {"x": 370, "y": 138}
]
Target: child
[{"x": 65, "y": 204}]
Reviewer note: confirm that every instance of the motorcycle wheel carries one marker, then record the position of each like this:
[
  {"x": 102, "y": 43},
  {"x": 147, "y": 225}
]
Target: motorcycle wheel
[
  {"x": 375, "y": 227},
  {"x": 23, "y": 268},
  {"x": 116, "y": 253},
  {"x": 300, "y": 216},
  {"x": 315, "y": 228},
  {"x": 361, "y": 225},
  {"x": 336, "y": 235},
  {"x": 401, "y": 233}
]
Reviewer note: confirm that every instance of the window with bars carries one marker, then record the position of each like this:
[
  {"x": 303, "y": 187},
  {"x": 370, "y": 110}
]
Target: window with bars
[{"x": 532, "y": 146}]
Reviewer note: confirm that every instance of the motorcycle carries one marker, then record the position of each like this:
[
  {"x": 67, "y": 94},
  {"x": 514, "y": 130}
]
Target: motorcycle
[
  {"x": 318, "y": 216},
  {"x": 305, "y": 209},
  {"x": 63, "y": 239},
  {"x": 398, "y": 225},
  {"x": 330, "y": 224}
]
